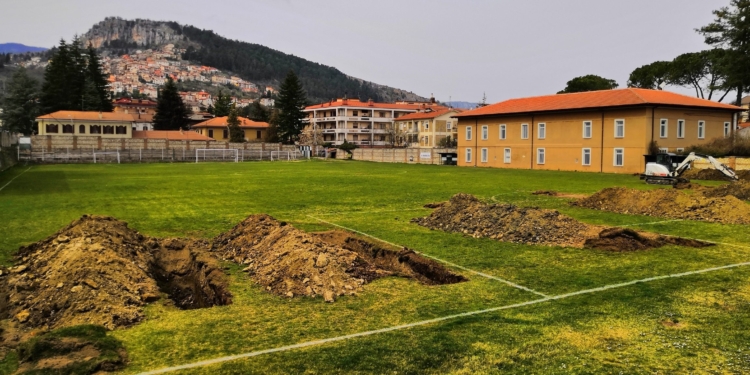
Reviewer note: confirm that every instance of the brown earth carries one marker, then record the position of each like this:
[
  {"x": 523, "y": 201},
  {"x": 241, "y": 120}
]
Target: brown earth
[
  {"x": 712, "y": 174},
  {"x": 739, "y": 190},
  {"x": 466, "y": 214},
  {"x": 290, "y": 262},
  {"x": 553, "y": 193},
  {"x": 98, "y": 271},
  {"x": 669, "y": 203}
]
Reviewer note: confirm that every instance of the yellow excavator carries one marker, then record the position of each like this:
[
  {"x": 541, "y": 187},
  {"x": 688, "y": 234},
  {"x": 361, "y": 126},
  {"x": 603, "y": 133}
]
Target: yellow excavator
[{"x": 666, "y": 169}]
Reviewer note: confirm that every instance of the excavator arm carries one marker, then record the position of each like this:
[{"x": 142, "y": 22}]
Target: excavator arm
[{"x": 711, "y": 160}]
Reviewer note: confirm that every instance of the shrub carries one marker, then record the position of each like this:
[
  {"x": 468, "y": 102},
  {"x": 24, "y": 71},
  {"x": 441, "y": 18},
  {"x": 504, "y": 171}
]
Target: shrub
[{"x": 721, "y": 147}]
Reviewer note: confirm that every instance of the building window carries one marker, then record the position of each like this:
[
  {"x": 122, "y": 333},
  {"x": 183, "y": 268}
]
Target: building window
[
  {"x": 727, "y": 129},
  {"x": 663, "y": 150},
  {"x": 484, "y": 155},
  {"x": 680, "y": 128},
  {"x": 225, "y": 133},
  {"x": 524, "y": 131},
  {"x": 81, "y": 129},
  {"x": 95, "y": 129},
  {"x": 468, "y": 133},
  {"x": 619, "y": 159},
  {"x": 542, "y": 127},
  {"x": 355, "y": 113},
  {"x": 426, "y": 125},
  {"x": 680, "y": 150},
  {"x": 586, "y": 156},
  {"x": 663, "y": 128},
  {"x": 108, "y": 129},
  {"x": 619, "y": 128},
  {"x": 145, "y": 127},
  {"x": 503, "y": 133},
  {"x": 468, "y": 155},
  {"x": 51, "y": 128},
  {"x": 587, "y": 129},
  {"x": 210, "y": 133},
  {"x": 67, "y": 129},
  {"x": 701, "y": 129},
  {"x": 448, "y": 125},
  {"x": 506, "y": 156},
  {"x": 121, "y": 130},
  {"x": 485, "y": 132},
  {"x": 540, "y": 156},
  {"x": 258, "y": 134}
]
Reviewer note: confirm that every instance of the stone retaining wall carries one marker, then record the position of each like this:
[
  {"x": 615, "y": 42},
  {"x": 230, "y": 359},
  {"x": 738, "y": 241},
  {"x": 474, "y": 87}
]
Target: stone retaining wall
[{"x": 400, "y": 155}]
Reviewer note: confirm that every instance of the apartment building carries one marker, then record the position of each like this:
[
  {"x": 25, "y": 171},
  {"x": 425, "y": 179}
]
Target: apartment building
[
  {"x": 427, "y": 129},
  {"x": 599, "y": 131},
  {"x": 366, "y": 124}
]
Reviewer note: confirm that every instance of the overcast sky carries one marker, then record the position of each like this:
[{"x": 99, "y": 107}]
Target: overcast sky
[{"x": 454, "y": 49}]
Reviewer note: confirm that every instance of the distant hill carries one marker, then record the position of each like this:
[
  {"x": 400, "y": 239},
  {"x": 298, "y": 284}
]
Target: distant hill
[
  {"x": 462, "y": 105},
  {"x": 19, "y": 48},
  {"x": 253, "y": 62}
]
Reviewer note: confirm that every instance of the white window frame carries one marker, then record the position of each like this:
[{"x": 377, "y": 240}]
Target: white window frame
[
  {"x": 507, "y": 156},
  {"x": 503, "y": 131},
  {"x": 623, "y": 128},
  {"x": 541, "y": 130},
  {"x": 663, "y": 128},
  {"x": 588, "y": 126},
  {"x": 448, "y": 125},
  {"x": 727, "y": 129},
  {"x": 485, "y": 155},
  {"x": 541, "y": 156},
  {"x": 524, "y": 131},
  {"x": 467, "y": 155},
  {"x": 701, "y": 129},
  {"x": 426, "y": 125},
  {"x": 614, "y": 157},
  {"x": 583, "y": 156},
  {"x": 485, "y": 132},
  {"x": 468, "y": 133},
  {"x": 681, "y": 129},
  {"x": 663, "y": 150}
]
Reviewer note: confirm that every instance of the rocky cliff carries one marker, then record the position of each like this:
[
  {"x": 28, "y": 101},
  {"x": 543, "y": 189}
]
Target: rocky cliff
[{"x": 117, "y": 32}]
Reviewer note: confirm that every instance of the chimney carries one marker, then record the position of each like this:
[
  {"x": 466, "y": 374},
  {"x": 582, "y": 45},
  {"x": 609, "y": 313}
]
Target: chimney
[
  {"x": 432, "y": 98},
  {"x": 369, "y": 102}
]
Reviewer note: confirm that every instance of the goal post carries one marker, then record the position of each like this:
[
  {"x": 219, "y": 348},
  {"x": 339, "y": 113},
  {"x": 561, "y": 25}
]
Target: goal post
[
  {"x": 217, "y": 154},
  {"x": 103, "y": 155}
]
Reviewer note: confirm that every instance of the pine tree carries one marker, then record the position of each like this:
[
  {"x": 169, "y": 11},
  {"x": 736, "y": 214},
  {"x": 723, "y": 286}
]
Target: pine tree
[
  {"x": 55, "y": 90},
  {"x": 236, "y": 134},
  {"x": 171, "y": 112},
  {"x": 291, "y": 102},
  {"x": 222, "y": 105},
  {"x": 257, "y": 112},
  {"x": 20, "y": 105},
  {"x": 272, "y": 134},
  {"x": 96, "y": 95}
]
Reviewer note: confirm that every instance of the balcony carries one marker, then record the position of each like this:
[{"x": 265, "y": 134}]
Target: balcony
[{"x": 329, "y": 131}]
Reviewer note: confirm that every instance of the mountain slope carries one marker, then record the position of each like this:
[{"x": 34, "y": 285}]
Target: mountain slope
[
  {"x": 19, "y": 48},
  {"x": 252, "y": 62}
]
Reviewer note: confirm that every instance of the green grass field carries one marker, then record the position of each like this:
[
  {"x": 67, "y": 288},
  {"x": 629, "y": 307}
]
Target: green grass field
[{"x": 692, "y": 324}]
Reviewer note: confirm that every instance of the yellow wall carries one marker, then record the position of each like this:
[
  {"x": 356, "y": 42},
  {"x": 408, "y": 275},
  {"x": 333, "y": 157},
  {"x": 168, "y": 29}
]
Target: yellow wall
[
  {"x": 564, "y": 141},
  {"x": 42, "y": 126},
  {"x": 251, "y": 135}
]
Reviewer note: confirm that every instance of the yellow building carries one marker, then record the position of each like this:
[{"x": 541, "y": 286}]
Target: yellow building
[
  {"x": 218, "y": 129},
  {"x": 599, "y": 131},
  {"x": 101, "y": 124},
  {"x": 427, "y": 129}
]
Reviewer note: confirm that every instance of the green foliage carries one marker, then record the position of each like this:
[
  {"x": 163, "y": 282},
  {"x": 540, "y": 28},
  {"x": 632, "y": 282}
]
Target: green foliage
[
  {"x": 96, "y": 95},
  {"x": 258, "y": 63},
  {"x": 291, "y": 102},
  {"x": 272, "y": 135},
  {"x": 171, "y": 112},
  {"x": 347, "y": 146},
  {"x": 236, "y": 134},
  {"x": 257, "y": 112},
  {"x": 721, "y": 147},
  {"x": 650, "y": 76},
  {"x": 589, "y": 83},
  {"x": 653, "y": 148},
  {"x": 448, "y": 142},
  {"x": 20, "y": 105},
  {"x": 704, "y": 71},
  {"x": 222, "y": 105}
]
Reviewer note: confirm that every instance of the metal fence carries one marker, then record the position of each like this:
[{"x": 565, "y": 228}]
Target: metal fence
[{"x": 81, "y": 155}]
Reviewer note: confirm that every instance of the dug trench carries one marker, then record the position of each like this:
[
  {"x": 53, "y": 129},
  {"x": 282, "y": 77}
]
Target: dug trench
[{"x": 466, "y": 214}]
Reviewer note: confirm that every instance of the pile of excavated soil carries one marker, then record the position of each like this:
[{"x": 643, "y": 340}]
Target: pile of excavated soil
[
  {"x": 669, "y": 203},
  {"x": 712, "y": 174},
  {"x": 553, "y": 193},
  {"x": 290, "y": 262},
  {"x": 739, "y": 190},
  {"x": 98, "y": 271},
  {"x": 468, "y": 215}
]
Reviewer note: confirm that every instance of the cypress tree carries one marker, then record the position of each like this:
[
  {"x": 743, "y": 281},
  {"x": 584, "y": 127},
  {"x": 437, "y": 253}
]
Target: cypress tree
[
  {"x": 20, "y": 106},
  {"x": 291, "y": 101},
  {"x": 96, "y": 95},
  {"x": 171, "y": 112}
]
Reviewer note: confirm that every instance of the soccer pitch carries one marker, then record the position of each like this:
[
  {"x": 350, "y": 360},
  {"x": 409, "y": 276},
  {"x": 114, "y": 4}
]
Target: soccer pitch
[{"x": 525, "y": 309}]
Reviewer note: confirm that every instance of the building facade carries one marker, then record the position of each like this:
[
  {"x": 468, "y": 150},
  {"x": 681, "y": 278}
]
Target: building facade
[
  {"x": 428, "y": 128},
  {"x": 601, "y": 131},
  {"x": 218, "y": 129},
  {"x": 84, "y": 123},
  {"x": 366, "y": 124}
]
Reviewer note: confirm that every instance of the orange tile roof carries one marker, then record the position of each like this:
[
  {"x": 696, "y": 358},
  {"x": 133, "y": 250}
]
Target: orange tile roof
[
  {"x": 87, "y": 116},
  {"x": 595, "y": 99},
  {"x": 221, "y": 122},
  {"x": 359, "y": 103},
  {"x": 172, "y": 135},
  {"x": 744, "y": 125},
  {"x": 428, "y": 115}
]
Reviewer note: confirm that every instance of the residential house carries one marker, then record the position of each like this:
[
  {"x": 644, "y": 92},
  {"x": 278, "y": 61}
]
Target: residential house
[
  {"x": 86, "y": 123},
  {"x": 218, "y": 129},
  {"x": 427, "y": 129},
  {"x": 745, "y": 109},
  {"x": 599, "y": 131},
  {"x": 172, "y": 135}
]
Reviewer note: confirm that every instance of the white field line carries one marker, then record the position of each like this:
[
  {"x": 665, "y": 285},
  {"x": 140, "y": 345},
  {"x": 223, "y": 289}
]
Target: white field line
[
  {"x": 13, "y": 179},
  {"x": 439, "y": 260},
  {"x": 431, "y": 321},
  {"x": 651, "y": 223}
]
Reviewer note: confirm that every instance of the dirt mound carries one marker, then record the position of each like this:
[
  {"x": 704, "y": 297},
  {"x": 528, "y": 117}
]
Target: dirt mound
[
  {"x": 553, "y": 193},
  {"x": 466, "y": 214},
  {"x": 712, "y": 174},
  {"x": 739, "y": 190},
  {"x": 290, "y": 262},
  {"x": 98, "y": 271},
  {"x": 623, "y": 239},
  {"x": 669, "y": 203}
]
